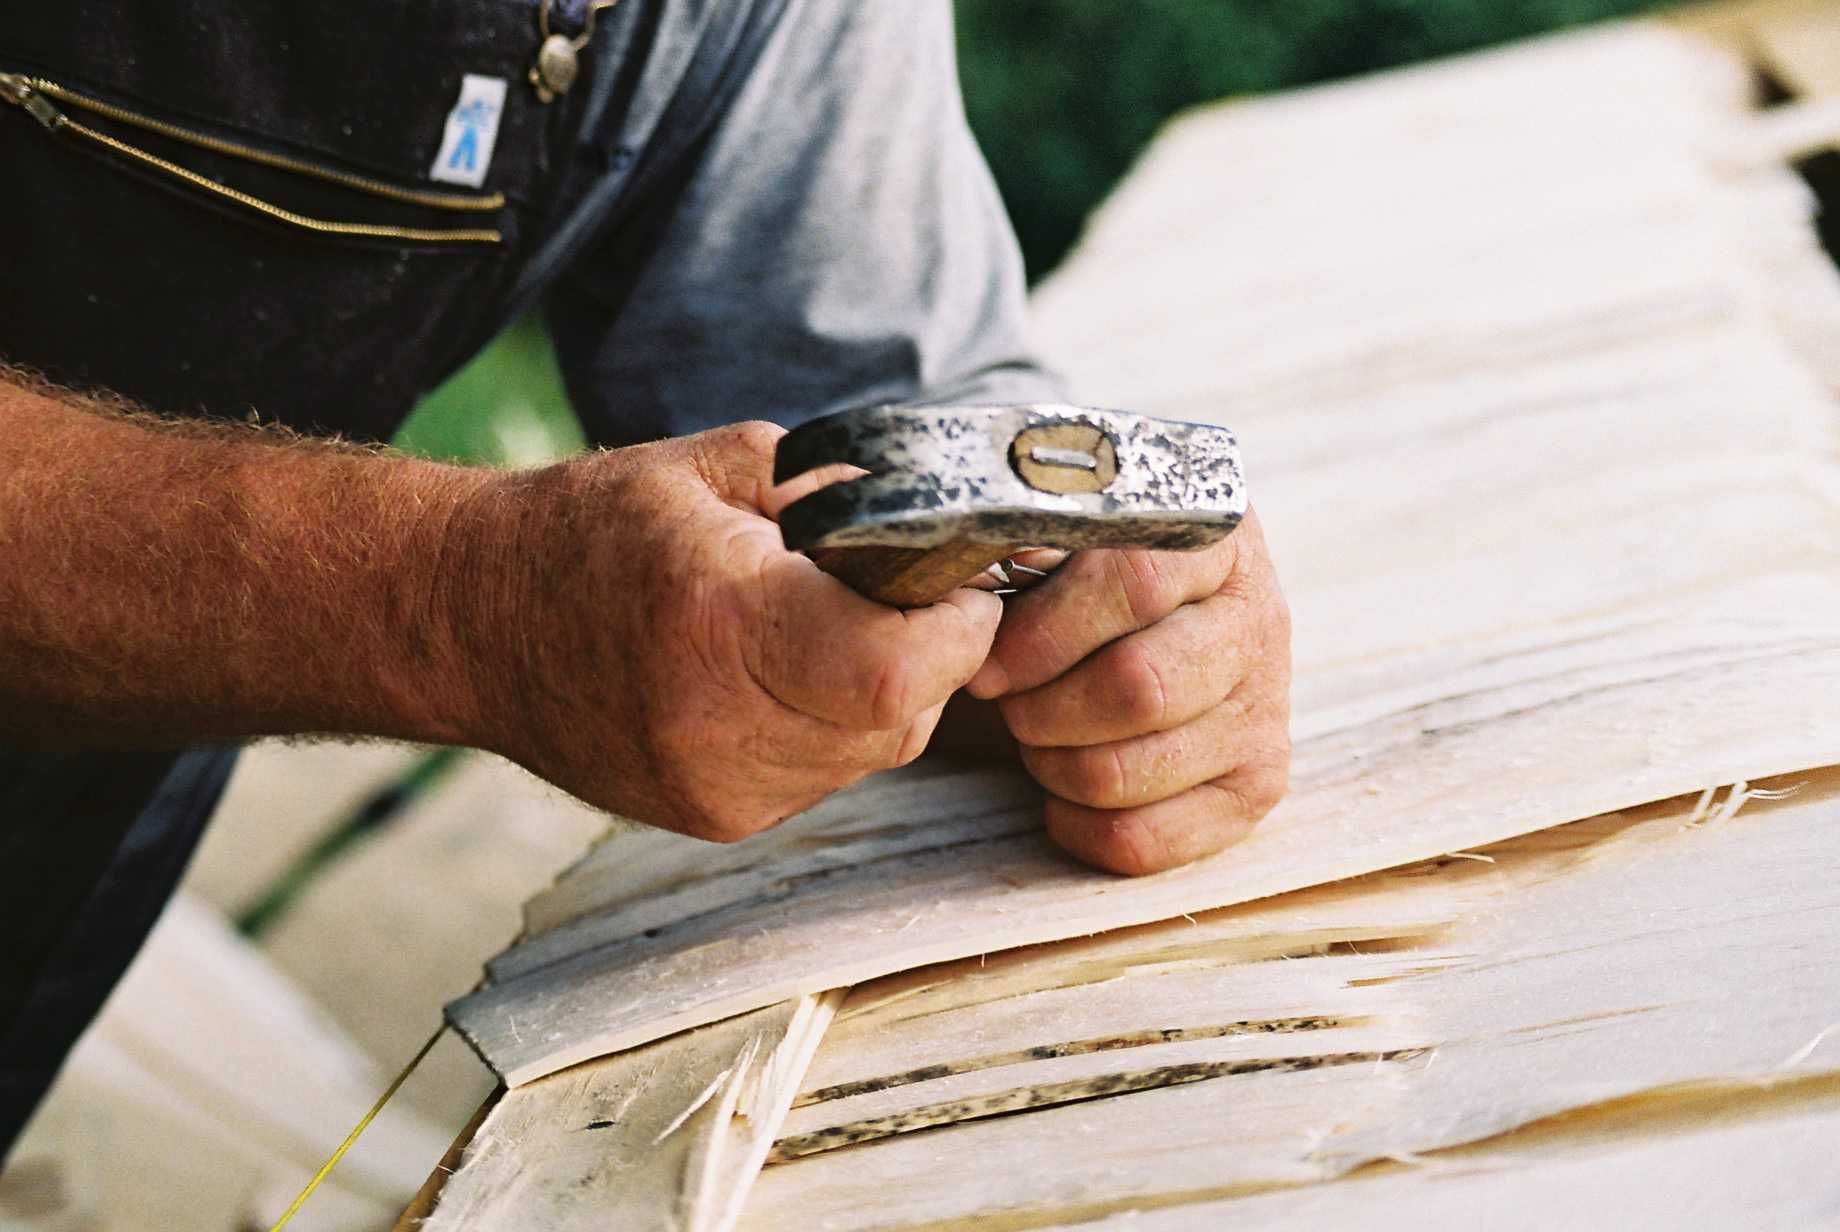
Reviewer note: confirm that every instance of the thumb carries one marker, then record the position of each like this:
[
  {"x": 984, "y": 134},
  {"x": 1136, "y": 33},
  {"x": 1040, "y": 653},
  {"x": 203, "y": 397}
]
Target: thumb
[{"x": 736, "y": 462}]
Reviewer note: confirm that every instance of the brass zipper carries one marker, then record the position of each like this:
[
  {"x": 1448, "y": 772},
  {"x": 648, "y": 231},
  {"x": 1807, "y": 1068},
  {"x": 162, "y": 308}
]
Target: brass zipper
[{"x": 35, "y": 95}]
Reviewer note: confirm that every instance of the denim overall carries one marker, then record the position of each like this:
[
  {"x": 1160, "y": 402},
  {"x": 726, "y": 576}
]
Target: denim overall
[{"x": 740, "y": 208}]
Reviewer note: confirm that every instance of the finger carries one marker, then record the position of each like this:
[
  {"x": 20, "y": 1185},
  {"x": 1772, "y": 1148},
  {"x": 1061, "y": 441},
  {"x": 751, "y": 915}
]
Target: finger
[
  {"x": 725, "y": 790},
  {"x": 1032, "y": 566},
  {"x": 993, "y": 578},
  {"x": 798, "y": 486},
  {"x": 1128, "y": 773},
  {"x": 830, "y": 757},
  {"x": 1041, "y": 560},
  {"x": 1151, "y": 838},
  {"x": 780, "y": 768},
  {"x": 736, "y": 462},
  {"x": 823, "y": 758},
  {"x": 1095, "y": 598},
  {"x": 826, "y": 651},
  {"x": 918, "y": 735},
  {"x": 1153, "y": 680}
]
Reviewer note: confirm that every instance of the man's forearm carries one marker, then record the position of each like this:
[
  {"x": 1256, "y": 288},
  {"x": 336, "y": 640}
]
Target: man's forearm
[{"x": 164, "y": 583}]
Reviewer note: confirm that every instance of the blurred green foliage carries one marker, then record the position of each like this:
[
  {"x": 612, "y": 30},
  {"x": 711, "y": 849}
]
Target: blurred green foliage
[
  {"x": 1062, "y": 95},
  {"x": 505, "y": 407}
]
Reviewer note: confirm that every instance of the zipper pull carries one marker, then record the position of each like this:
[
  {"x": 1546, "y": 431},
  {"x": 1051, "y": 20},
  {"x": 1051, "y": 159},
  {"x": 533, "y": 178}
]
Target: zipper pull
[
  {"x": 555, "y": 69},
  {"x": 18, "y": 91},
  {"x": 558, "y": 55}
]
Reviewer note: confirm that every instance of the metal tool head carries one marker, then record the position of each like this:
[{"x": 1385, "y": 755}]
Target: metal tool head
[{"x": 1043, "y": 475}]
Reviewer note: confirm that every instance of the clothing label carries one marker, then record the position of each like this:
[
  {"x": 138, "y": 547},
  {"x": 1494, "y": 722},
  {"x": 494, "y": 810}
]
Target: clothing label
[{"x": 472, "y": 130}]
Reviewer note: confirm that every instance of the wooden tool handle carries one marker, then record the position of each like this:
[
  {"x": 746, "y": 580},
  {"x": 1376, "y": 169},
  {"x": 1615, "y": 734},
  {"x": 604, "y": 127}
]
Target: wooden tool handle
[{"x": 909, "y": 577}]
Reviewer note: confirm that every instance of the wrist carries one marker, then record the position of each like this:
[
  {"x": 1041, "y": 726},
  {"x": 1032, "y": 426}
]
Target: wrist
[{"x": 461, "y": 581}]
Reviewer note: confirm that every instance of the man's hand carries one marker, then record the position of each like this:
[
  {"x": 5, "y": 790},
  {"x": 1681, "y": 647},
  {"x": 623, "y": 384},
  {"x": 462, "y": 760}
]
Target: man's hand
[
  {"x": 626, "y": 624},
  {"x": 1150, "y": 692},
  {"x": 659, "y": 653}
]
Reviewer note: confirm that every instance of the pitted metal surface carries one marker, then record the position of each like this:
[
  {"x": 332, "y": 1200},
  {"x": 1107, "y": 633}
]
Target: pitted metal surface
[{"x": 941, "y": 474}]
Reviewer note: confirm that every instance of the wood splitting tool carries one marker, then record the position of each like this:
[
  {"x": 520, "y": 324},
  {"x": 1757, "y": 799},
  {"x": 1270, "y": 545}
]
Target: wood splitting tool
[{"x": 952, "y": 490}]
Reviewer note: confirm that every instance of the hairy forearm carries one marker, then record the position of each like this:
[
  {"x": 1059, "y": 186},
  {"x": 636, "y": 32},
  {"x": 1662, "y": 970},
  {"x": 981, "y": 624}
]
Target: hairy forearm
[{"x": 165, "y": 583}]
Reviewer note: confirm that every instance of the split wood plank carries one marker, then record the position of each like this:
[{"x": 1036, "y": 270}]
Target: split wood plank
[
  {"x": 669, "y": 1136},
  {"x": 1634, "y": 954},
  {"x": 1155, "y": 1029},
  {"x": 963, "y": 1031},
  {"x": 912, "y": 1041},
  {"x": 1319, "y": 966},
  {"x": 1333, "y": 918},
  {"x": 1748, "y": 686},
  {"x": 664, "y": 880}
]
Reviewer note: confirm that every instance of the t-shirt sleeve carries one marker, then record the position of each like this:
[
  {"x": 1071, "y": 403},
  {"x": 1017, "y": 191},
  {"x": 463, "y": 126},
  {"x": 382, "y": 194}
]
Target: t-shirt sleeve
[{"x": 835, "y": 240}]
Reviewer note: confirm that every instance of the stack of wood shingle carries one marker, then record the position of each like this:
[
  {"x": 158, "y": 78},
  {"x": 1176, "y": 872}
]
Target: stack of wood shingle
[{"x": 1532, "y": 356}]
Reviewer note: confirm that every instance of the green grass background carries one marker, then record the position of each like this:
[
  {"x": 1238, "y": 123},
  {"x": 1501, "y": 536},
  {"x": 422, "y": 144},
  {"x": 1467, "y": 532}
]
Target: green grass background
[{"x": 1062, "y": 94}]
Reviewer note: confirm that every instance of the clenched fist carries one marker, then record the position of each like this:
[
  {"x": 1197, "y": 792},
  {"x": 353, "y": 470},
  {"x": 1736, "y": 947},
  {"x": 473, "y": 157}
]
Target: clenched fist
[
  {"x": 651, "y": 647},
  {"x": 1150, "y": 692}
]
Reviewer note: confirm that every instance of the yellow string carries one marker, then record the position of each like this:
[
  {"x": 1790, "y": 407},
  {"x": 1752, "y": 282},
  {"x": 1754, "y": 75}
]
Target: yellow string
[{"x": 327, "y": 1167}]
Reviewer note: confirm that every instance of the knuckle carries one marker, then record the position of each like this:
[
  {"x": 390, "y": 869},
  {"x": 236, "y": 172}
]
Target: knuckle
[
  {"x": 709, "y": 828},
  {"x": 1273, "y": 782},
  {"x": 1128, "y": 843},
  {"x": 675, "y": 741},
  {"x": 891, "y": 697},
  {"x": 1094, "y": 776},
  {"x": 727, "y": 826},
  {"x": 1256, "y": 788},
  {"x": 1140, "y": 691},
  {"x": 719, "y": 818},
  {"x": 1148, "y": 584},
  {"x": 706, "y": 806},
  {"x": 1278, "y": 619},
  {"x": 912, "y": 744},
  {"x": 755, "y": 436},
  {"x": 726, "y": 457},
  {"x": 1028, "y": 718},
  {"x": 703, "y": 455}
]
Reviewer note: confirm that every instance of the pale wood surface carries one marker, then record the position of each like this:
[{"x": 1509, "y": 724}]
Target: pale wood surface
[
  {"x": 1745, "y": 1157},
  {"x": 1667, "y": 947},
  {"x": 668, "y": 1136},
  {"x": 402, "y": 922},
  {"x": 283, "y": 798},
  {"x": 204, "y": 1096},
  {"x": 1802, "y": 49}
]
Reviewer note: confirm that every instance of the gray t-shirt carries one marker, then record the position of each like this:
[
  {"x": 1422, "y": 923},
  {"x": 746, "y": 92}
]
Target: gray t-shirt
[{"x": 836, "y": 241}]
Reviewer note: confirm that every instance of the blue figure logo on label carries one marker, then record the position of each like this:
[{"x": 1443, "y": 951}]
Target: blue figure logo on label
[{"x": 471, "y": 117}]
